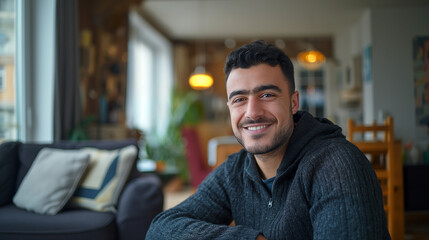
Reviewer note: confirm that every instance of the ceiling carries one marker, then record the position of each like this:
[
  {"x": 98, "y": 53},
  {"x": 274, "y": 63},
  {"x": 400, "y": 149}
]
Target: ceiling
[{"x": 222, "y": 19}]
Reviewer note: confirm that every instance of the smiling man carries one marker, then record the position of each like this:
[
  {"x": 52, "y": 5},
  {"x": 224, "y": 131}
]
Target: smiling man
[
  {"x": 262, "y": 105},
  {"x": 297, "y": 176}
]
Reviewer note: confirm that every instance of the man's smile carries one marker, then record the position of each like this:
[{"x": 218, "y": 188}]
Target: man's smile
[{"x": 254, "y": 128}]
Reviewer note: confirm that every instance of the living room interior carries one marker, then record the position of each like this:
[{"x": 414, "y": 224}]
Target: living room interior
[{"x": 126, "y": 67}]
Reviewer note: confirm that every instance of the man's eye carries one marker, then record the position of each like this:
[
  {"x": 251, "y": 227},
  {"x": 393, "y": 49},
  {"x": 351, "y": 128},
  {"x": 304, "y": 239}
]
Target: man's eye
[
  {"x": 266, "y": 95},
  {"x": 237, "y": 100}
]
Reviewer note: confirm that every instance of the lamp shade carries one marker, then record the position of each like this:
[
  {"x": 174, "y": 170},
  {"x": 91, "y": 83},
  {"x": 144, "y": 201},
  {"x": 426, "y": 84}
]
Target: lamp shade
[
  {"x": 311, "y": 59},
  {"x": 200, "y": 81}
]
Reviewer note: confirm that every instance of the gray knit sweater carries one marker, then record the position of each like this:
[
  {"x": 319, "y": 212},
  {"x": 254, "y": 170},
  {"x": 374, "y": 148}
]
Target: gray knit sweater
[{"x": 325, "y": 189}]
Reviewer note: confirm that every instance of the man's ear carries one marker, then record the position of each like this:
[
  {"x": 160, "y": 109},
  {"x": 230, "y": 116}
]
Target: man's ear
[{"x": 295, "y": 102}]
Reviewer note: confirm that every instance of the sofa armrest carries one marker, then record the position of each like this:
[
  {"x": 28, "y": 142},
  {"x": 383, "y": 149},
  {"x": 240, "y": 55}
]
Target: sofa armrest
[{"x": 141, "y": 200}]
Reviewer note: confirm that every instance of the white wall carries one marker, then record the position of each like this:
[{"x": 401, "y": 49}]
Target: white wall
[
  {"x": 393, "y": 30},
  {"x": 352, "y": 40},
  {"x": 349, "y": 43},
  {"x": 390, "y": 33}
]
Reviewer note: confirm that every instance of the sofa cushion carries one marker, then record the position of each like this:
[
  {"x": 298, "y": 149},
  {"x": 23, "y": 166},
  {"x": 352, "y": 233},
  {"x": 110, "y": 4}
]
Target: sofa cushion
[
  {"x": 51, "y": 180},
  {"x": 8, "y": 169},
  {"x": 28, "y": 151},
  {"x": 104, "y": 178},
  {"x": 27, "y": 154},
  {"x": 16, "y": 223}
]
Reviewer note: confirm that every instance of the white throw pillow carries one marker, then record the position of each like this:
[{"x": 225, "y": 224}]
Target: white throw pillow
[
  {"x": 104, "y": 178},
  {"x": 51, "y": 180}
]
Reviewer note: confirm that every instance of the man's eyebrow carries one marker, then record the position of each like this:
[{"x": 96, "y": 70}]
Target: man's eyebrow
[
  {"x": 238, "y": 92},
  {"x": 267, "y": 87},
  {"x": 255, "y": 90}
]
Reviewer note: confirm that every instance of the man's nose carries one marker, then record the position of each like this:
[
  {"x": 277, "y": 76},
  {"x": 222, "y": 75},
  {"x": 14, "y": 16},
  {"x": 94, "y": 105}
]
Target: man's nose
[{"x": 254, "y": 108}]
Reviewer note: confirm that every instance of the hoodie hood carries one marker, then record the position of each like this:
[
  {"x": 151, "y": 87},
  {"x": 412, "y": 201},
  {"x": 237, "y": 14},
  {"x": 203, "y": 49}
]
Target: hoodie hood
[{"x": 308, "y": 132}]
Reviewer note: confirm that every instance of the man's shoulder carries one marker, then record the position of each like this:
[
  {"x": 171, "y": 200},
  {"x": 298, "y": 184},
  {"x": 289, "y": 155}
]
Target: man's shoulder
[
  {"x": 330, "y": 145},
  {"x": 332, "y": 150},
  {"x": 337, "y": 154}
]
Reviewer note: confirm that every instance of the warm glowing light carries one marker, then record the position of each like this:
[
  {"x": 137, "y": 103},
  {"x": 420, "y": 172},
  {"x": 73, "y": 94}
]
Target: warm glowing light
[
  {"x": 311, "y": 60},
  {"x": 311, "y": 57},
  {"x": 200, "y": 81}
]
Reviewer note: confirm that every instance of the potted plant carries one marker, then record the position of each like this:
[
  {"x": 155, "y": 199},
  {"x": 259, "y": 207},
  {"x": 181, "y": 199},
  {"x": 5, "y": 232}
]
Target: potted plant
[{"x": 186, "y": 109}]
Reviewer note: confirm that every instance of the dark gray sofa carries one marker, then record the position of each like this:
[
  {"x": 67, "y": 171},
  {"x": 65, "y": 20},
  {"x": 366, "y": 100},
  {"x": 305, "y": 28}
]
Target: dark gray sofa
[{"x": 140, "y": 201}]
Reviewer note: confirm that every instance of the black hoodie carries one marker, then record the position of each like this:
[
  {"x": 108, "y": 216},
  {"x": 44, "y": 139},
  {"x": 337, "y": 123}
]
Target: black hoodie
[{"x": 325, "y": 188}]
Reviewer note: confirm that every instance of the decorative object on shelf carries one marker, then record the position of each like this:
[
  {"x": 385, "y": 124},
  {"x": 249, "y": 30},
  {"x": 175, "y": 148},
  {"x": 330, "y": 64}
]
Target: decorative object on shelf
[
  {"x": 310, "y": 58},
  {"x": 421, "y": 85},
  {"x": 412, "y": 154}
]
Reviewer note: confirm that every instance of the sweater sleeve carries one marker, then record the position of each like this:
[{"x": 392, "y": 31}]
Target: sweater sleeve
[
  {"x": 204, "y": 215},
  {"x": 344, "y": 195}
]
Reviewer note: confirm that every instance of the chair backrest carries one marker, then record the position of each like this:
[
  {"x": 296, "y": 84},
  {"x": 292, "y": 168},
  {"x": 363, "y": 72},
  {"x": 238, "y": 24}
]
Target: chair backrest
[
  {"x": 219, "y": 148},
  {"x": 377, "y": 142}
]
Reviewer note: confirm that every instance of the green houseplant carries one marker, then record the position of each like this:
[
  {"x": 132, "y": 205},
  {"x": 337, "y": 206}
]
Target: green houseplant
[{"x": 186, "y": 109}]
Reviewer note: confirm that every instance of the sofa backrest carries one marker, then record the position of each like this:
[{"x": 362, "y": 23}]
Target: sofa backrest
[
  {"x": 28, "y": 151},
  {"x": 16, "y": 159}
]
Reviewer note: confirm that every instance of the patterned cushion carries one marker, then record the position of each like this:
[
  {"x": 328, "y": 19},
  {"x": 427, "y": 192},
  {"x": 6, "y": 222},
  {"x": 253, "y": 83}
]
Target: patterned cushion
[
  {"x": 51, "y": 180},
  {"x": 104, "y": 178}
]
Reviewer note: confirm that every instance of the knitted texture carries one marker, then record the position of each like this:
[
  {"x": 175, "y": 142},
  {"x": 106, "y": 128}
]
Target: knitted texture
[{"x": 325, "y": 189}]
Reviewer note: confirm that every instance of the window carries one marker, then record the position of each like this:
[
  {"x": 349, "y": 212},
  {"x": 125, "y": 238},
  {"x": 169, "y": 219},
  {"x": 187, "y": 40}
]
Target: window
[
  {"x": 7, "y": 28},
  {"x": 312, "y": 92},
  {"x": 34, "y": 69},
  {"x": 318, "y": 90},
  {"x": 141, "y": 86},
  {"x": 150, "y": 78},
  {"x": 2, "y": 78},
  {"x": 3, "y": 130},
  {"x": 8, "y": 126}
]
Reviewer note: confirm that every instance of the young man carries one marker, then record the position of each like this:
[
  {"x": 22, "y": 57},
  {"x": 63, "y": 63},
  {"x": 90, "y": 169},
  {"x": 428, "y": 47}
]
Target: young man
[{"x": 297, "y": 176}]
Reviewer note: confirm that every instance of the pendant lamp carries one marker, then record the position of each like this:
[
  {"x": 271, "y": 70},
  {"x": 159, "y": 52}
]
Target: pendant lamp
[
  {"x": 200, "y": 79},
  {"x": 311, "y": 59}
]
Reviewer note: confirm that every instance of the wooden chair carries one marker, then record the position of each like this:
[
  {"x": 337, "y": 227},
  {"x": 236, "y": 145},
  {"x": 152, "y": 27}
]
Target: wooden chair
[
  {"x": 385, "y": 155},
  {"x": 219, "y": 148}
]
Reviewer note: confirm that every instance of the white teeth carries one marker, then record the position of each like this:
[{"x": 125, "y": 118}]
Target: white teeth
[{"x": 256, "y": 128}]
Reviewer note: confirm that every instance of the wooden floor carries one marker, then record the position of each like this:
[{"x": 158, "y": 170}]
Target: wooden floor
[{"x": 172, "y": 198}]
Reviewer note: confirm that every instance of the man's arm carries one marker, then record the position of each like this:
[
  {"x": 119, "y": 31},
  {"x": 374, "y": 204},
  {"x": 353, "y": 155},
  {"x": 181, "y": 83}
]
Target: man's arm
[{"x": 204, "y": 215}]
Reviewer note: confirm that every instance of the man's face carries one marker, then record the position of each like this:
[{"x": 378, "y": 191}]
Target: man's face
[{"x": 261, "y": 107}]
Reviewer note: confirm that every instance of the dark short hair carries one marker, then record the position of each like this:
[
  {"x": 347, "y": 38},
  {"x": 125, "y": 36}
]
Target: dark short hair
[{"x": 258, "y": 52}]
